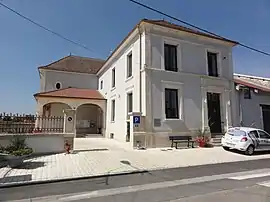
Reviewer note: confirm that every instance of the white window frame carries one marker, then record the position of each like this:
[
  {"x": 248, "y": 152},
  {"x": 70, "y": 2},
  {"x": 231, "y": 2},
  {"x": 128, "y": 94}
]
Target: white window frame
[
  {"x": 179, "y": 87},
  {"x": 219, "y": 63},
  {"x": 113, "y": 111},
  {"x": 113, "y": 83},
  {"x": 127, "y": 65},
  {"x": 127, "y": 104},
  {"x": 174, "y": 42}
]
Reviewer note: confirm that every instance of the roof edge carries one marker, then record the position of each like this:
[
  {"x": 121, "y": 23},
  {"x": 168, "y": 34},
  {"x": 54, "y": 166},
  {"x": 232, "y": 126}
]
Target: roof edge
[
  {"x": 200, "y": 33},
  {"x": 71, "y": 97},
  {"x": 51, "y": 91}
]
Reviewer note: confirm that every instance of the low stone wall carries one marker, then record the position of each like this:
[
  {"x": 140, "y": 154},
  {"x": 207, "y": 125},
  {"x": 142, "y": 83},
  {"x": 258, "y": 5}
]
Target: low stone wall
[{"x": 40, "y": 143}]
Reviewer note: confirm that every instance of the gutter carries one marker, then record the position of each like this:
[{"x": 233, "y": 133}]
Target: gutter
[{"x": 140, "y": 63}]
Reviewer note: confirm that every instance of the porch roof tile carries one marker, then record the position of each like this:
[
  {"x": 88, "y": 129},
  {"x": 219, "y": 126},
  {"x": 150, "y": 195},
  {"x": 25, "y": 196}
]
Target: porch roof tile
[
  {"x": 259, "y": 83},
  {"x": 77, "y": 93}
]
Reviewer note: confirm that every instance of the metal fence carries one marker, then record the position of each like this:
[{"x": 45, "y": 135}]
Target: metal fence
[{"x": 27, "y": 123}]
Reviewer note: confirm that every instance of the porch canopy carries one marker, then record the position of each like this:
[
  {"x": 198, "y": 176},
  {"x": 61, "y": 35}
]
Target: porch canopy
[{"x": 83, "y": 109}]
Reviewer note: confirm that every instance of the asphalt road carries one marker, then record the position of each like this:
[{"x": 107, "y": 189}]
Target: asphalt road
[{"x": 200, "y": 183}]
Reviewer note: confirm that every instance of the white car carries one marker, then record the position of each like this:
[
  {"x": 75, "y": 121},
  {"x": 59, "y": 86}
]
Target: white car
[{"x": 246, "y": 139}]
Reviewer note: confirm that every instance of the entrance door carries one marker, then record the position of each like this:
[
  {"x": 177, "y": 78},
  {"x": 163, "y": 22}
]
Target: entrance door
[
  {"x": 266, "y": 117},
  {"x": 214, "y": 118}
]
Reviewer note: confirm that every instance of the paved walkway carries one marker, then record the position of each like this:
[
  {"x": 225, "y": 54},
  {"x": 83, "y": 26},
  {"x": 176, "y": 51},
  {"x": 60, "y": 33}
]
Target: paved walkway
[{"x": 117, "y": 159}]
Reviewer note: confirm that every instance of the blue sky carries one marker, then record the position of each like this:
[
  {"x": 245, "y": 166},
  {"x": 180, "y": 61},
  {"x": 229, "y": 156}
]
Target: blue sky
[{"x": 102, "y": 24}]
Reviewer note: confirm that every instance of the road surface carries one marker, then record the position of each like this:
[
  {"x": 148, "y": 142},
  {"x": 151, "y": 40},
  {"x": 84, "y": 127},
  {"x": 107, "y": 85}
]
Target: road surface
[{"x": 247, "y": 181}]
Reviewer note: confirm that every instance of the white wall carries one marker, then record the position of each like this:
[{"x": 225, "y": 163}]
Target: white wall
[
  {"x": 39, "y": 143},
  {"x": 192, "y": 76},
  {"x": 250, "y": 108},
  {"x": 122, "y": 87},
  {"x": 192, "y": 57},
  {"x": 67, "y": 79}
]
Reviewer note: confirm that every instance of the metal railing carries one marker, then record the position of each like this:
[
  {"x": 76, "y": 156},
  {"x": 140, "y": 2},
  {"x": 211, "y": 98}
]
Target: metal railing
[{"x": 27, "y": 123}]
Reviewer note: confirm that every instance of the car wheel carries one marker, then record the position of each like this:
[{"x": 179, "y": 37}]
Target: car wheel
[
  {"x": 250, "y": 150},
  {"x": 226, "y": 148}
]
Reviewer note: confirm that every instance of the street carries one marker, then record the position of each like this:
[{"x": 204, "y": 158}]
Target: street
[{"x": 247, "y": 181}]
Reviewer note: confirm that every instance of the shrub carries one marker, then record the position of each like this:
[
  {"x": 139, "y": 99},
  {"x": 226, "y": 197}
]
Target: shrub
[
  {"x": 17, "y": 147},
  {"x": 22, "y": 152}
]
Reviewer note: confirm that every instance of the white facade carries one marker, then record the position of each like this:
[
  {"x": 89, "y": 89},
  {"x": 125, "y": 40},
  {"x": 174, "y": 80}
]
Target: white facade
[
  {"x": 150, "y": 79},
  {"x": 49, "y": 79},
  {"x": 123, "y": 86}
]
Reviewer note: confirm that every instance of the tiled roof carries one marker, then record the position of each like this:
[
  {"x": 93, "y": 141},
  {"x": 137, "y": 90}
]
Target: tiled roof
[
  {"x": 78, "y": 93},
  {"x": 259, "y": 83},
  {"x": 76, "y": 64},
  {"x": 185, "y": 29}
]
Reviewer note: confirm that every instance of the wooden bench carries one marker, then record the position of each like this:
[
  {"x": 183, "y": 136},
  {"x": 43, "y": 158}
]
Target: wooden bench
[{"x": 179, "y": 139}]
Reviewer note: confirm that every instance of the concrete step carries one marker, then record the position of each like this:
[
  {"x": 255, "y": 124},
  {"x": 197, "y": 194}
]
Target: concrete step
[{"x": 216, "y": 141}]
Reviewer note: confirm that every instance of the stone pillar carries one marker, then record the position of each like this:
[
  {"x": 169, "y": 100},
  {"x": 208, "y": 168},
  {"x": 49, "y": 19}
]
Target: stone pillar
[
  {"x": 69, "y": 121},
  {"x": 205, "y": 125},
  {"x": 39, "y": 113},
  {"x": 228, "y": 109}
]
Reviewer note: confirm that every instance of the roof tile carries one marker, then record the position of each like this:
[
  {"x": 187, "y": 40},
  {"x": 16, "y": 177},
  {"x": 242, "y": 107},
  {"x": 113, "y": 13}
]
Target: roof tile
[
  {"x": 76, "y": 64},
  {"x": 259, "y": 83},
  {"x": 78, "y": 93}
]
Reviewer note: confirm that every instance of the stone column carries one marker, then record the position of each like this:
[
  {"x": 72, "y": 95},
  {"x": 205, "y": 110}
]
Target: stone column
[
  {"x": 69, "y": 121},
  {"x": 204, "y": 109},
  {"x": 228, "y": 109},
  {"x": 68, "y": 130}
]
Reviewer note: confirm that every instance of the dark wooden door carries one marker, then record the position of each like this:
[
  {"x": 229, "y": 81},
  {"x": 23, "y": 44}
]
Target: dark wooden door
[
  {"x": 214, "y": 116},
  {"x": 266, "y": 117}
]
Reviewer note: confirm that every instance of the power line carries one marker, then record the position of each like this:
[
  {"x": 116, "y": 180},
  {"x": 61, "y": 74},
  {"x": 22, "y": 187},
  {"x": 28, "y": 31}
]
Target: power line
[
  {"x": 45, "y": 28},
  {"x": 194, "y": 26}
]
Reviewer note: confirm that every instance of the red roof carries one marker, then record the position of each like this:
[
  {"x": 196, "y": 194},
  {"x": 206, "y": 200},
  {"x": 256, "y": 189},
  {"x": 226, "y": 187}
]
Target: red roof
[
  {"x": 251, "y": 84},
  {"x": 74, "y": 63},
  {"x": 78, "y": 93}
]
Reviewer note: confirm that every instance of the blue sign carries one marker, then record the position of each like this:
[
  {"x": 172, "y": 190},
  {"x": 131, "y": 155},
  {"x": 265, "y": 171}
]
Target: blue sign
[{"x": 136, "y": 119}]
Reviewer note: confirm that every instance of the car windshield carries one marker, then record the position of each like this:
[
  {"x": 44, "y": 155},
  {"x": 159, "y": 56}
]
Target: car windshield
[{"x": 236, "y": 132}]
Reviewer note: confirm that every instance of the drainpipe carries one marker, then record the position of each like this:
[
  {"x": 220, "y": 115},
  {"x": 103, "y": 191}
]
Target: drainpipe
[{"x": 140, "y": 63}]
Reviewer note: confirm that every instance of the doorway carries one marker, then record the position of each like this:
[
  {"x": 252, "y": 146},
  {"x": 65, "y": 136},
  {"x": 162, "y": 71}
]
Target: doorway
[
  {"x": 266, "y": 117},
  {"x": 214, "y": 115}
]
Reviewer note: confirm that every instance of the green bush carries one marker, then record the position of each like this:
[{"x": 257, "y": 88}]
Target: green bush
[
  {"x": 17, "y": 147},
  {"x": 22, "y": 152}
]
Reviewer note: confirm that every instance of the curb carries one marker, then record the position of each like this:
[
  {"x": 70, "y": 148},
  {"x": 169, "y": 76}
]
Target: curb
[{"x": 29, "y": 183}]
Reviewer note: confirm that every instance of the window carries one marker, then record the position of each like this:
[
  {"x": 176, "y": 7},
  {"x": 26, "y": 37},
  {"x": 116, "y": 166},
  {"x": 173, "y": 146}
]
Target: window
[
  {"x": 212, "y": 64},
  {"x": 130, "y": 102},
  {"x": 254, "y": 134},
  {"x": 263, "y": 134},
  {"x": 113, "y": 77},
  {"x": 171, "y": 103},
  {"x": 129, "y": 65},
  {"x": 101, "y": 84},
  {"x": 58, "y": 85},
  {"x": 113, "y": 111},
  {"x": 247, "y": 93},
  {"x": 170, "y": 57}
]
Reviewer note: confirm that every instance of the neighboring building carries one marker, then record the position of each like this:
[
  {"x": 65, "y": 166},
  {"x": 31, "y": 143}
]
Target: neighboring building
[
  {"x": 176, "y": 79},
  {"x": 253, "y": 100},
  {"x": 68, "y": 87}
]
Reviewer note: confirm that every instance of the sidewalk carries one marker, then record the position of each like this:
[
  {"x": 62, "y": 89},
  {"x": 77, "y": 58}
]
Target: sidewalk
[{"x": 105, "y": 162}]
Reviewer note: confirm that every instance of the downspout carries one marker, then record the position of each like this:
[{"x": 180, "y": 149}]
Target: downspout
[{"x": 140, "y": 63}]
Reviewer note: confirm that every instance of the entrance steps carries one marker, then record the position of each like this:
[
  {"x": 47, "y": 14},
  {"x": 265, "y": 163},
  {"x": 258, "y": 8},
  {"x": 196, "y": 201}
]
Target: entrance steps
[
  {"x": 216, "y": 140},
  {"x": 89, "y": 136}
]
